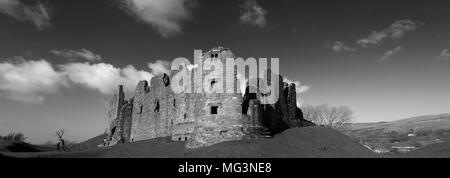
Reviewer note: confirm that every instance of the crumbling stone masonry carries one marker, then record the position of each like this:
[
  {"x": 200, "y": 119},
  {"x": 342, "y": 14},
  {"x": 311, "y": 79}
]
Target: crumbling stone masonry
[
  {"x": 201, "y": 119},
  {"x": 119, "y": 119}
]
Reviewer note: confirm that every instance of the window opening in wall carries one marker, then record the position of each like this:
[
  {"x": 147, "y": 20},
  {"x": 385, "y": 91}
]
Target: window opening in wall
[
  {"x": 214, "y": 109},
  {"x": 113, "y": 130},
  {"x": 157, "y": 106},
  {"x": 213, "y": 82}
]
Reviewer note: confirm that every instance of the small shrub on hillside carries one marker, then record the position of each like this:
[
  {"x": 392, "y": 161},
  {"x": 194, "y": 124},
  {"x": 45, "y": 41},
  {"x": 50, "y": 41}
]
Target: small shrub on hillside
[
  {"x": 424, "y": 133},
  {"x": 404, "y": 138},
  {"x": 441, "y": 132},
  {"x": 416, "y": 144},
  {"x": 394, "y": 140},
  {"x": 14, "y": 137}
]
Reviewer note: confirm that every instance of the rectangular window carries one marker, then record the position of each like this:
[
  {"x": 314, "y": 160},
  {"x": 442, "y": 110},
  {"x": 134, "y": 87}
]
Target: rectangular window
[{"x": 214, "y": 109}]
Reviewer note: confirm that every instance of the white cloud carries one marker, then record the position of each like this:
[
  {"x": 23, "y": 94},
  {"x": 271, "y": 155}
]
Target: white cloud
[
  {"x": 396, "y": 30},
  {"x": 191, "y": 67},
  {"x": 444, "y": 56},
  {"x": 253, "y": 14},
  {"x": 159, "y": 67},
  {"x": 388, "y": 54},
  {"x": 104, "y": 77},
  {"x": 73, "y": 55},
  {"x": 299, "y": 89},
  {"x": 37, "y": 14},
  {"x": 339, "y": 46},
  {"x": 29, "y": 81},
  {"x": 165, "y": 16}
]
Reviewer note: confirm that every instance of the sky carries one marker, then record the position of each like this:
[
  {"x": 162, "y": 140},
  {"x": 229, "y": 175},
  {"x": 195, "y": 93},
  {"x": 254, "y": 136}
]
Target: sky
[{"x": 60, "y": 60}]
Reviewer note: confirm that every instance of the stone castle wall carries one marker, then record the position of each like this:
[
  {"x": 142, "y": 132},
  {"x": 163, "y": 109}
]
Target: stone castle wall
[
  {"x": 115, "y": 104},
  {"x": 202, "y": 119},
  {"x": 154, "y": 109},
  {"x": 125, "y": 121}
]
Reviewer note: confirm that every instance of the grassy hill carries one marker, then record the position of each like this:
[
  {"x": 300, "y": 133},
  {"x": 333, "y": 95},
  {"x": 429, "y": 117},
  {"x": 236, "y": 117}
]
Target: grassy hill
[
  {"x": 11, "y": 146},
  {"x": 417, "y": 132},
  {"x": 316, "y": 142},
  {"x": 429, "y": 122},
  {"x": 440, "y": 150},
  {"x": 88, "y": 144}
]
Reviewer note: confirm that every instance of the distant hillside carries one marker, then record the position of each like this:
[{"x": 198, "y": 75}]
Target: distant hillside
[
  {"x": 315, "y": 142},
  {"x": 440, "y": 150},
  {"x": 415, "y": 132},
  {"x": 429, "y": 122}
]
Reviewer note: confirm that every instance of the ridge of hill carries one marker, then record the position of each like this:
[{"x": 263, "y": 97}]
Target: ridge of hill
[{"x": 306, "y": 142}]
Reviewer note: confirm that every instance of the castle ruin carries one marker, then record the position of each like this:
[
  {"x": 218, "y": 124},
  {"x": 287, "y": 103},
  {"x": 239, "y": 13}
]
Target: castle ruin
[{"x": 201, "y": 119}]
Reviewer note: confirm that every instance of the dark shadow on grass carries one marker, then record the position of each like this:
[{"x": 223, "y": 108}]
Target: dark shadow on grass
[
  {"x": 5, "y": 157},
  {"x": 21, "y": 147}
]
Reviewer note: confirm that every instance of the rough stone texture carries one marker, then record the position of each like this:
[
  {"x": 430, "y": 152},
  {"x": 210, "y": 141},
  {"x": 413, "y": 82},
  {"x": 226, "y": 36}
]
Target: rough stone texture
[
  {"x": 115, "y": 104},
  {"x": 120, "y": 128},
  {"x": 284, "y": 113},
  {"x": 154, "y": 109},
  {"x": 125, "y": 121},
  {"x": 218, "y": 115},
  {"x": 291, "y": 99},
  {"x": 303, "y": 122},
  {"x": 256, "y": 125},
  {"x": 183, "y": 131},
  {"x": 201, "y": 119},
  {"x": 117, "y": 114},
  {"x": 276, "y": 115},
  {"x": 225, "y": 125}
]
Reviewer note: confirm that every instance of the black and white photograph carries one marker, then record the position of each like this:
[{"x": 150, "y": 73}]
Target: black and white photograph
[{"x": 225, "y": 79}]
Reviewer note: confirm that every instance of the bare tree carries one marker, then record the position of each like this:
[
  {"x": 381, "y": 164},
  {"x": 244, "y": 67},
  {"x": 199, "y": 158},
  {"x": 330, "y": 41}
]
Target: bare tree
[
  {"x": 61, "y": 143},
  {"x": 329, "y": 116}
]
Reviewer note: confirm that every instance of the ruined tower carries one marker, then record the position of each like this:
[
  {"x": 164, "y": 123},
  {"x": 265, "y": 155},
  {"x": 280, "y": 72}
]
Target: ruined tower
[
  {"x": 218, "y": 116},
  {"x": 115, "y": 104},
  {"x": 256, "y": 125},
  {"x": 201, "y": 118},
  {"x": 154, "y": 109}
]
